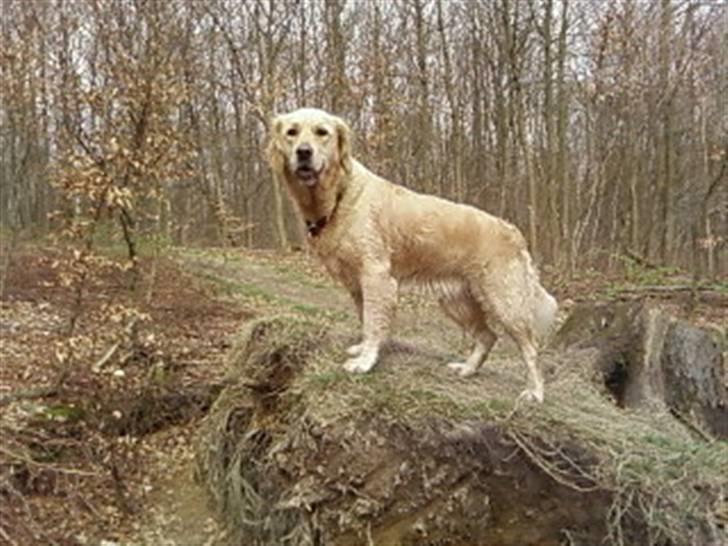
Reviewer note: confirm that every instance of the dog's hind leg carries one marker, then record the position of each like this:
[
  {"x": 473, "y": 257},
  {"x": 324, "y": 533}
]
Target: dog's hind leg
[
  {"x": 467, "y": 312},
  {"x": 520, "y": 329},
  {"x": 529, "y": 354},
  {"x": 483, "y": 344},
  {"x": 507, "y": 298},
  {"x": 522, "y": 333}
]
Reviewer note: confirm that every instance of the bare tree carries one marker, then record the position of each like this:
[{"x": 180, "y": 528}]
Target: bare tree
[{"x": 597, "y": 127}]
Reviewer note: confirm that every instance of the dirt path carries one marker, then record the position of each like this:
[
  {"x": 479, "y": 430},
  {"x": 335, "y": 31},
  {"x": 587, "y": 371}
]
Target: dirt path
[
  {"x": 176, "y": 509},
  {"x": 296, "y": 283}
]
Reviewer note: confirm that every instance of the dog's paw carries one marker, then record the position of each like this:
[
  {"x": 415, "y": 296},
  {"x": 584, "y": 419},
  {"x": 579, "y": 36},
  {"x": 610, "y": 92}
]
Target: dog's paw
[
  {"x": 463, "y": 369},
  {"x": 360, "y": 364},
  {"x": 355, "y": 350},
  {"x": 531, "y": 395}
]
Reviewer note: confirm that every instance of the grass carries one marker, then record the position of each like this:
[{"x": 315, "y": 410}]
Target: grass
[
  {"x": 236, "y": 289},
  {"x": 254, "y": 295},
  {"x": 721, "y": 287},
  {"x": 315, "y": 311},
  {"x": 260, "y": 293}
]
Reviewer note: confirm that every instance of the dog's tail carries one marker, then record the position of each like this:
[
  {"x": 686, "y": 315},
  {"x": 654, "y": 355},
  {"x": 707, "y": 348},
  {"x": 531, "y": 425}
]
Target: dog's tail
[
  {"x": 544, "y": 312},
  {"x": 543, "y": 305}
]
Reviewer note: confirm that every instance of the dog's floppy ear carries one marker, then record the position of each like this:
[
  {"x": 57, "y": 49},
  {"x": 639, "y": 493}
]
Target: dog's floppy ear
[
  {"x": 272, "y": 151},
  {"x": 343, "y": 135}
]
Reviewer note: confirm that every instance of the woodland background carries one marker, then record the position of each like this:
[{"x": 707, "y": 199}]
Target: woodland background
[
  {"x": 140, "y": 226},
  {"x": 599, "y": 128}
]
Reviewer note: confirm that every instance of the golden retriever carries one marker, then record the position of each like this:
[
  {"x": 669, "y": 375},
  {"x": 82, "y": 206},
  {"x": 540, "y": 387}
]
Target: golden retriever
[{"x": 374, "y": 236}]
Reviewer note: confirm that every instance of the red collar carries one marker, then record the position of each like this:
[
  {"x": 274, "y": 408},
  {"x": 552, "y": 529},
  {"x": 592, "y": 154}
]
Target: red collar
[{"x": 314, "y": 228}]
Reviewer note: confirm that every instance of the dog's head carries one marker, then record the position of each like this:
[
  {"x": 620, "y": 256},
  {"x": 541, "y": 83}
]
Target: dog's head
[{"x": 307, "y": 144}]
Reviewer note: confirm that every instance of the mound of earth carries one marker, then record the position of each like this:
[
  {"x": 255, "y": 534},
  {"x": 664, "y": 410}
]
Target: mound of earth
[{"x": 297, "y": 451}]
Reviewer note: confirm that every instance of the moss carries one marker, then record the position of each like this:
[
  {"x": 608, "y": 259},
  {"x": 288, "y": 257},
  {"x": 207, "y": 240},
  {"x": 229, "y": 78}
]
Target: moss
[{"x": 63, "y": 413}]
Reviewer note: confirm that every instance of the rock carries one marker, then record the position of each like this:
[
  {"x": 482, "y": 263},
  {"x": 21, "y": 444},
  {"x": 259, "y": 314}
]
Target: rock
[
  {"x": 297, "y": 451},
  {"x": 646, "y": 357}
]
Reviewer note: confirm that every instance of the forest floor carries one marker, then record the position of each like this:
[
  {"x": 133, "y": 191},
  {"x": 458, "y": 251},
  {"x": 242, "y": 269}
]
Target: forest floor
[{"x": 107, "y": 458}]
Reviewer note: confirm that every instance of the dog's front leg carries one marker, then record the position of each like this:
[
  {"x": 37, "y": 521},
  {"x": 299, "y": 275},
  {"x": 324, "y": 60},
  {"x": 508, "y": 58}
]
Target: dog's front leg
[
  {"x": 379, "y": 298},
  {"x": 353, "y": 286},
  {"x": 356, "y": 295}
]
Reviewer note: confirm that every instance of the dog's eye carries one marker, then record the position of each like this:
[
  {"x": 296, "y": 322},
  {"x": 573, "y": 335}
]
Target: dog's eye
[
  {"x": 321, "y": 131},
  {"x": 292, "y": 131}
]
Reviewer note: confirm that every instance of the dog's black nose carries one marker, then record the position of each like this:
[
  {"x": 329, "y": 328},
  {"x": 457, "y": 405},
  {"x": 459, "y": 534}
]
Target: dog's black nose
[{"x": 304, "y": 152}]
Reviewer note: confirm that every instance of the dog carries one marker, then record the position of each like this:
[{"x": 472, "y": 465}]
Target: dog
[{"x": 374, "y": 236}]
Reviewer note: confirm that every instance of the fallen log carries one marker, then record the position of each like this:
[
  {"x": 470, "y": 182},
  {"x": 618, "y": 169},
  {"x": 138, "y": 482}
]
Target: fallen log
[{"x": 647, "y": 358}]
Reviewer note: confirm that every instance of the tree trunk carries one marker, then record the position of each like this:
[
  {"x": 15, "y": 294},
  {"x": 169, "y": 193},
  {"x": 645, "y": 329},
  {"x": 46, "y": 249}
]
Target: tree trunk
[{"x": 665, "y": 149}]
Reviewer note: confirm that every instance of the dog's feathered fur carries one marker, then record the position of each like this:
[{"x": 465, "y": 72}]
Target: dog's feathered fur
[{"x": 374, "y": 236}]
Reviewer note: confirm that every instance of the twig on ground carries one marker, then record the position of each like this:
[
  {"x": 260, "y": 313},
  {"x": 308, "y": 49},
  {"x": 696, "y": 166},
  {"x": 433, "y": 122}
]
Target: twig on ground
[
  {"x": 107, "y": 356},
  {"x": 641, "y": 260},
  {"x": 29, "y": 394},
  {"x": 668, "y": 289}
]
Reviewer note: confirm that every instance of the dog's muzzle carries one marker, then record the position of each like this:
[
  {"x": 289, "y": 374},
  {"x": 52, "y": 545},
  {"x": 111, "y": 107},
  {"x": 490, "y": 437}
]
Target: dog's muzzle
[{"x": 305, "y": 170}]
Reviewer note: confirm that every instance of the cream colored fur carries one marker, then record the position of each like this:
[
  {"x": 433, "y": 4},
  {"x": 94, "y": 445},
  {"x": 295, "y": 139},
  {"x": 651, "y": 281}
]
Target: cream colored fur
[{"x": 379, "y": 236}]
